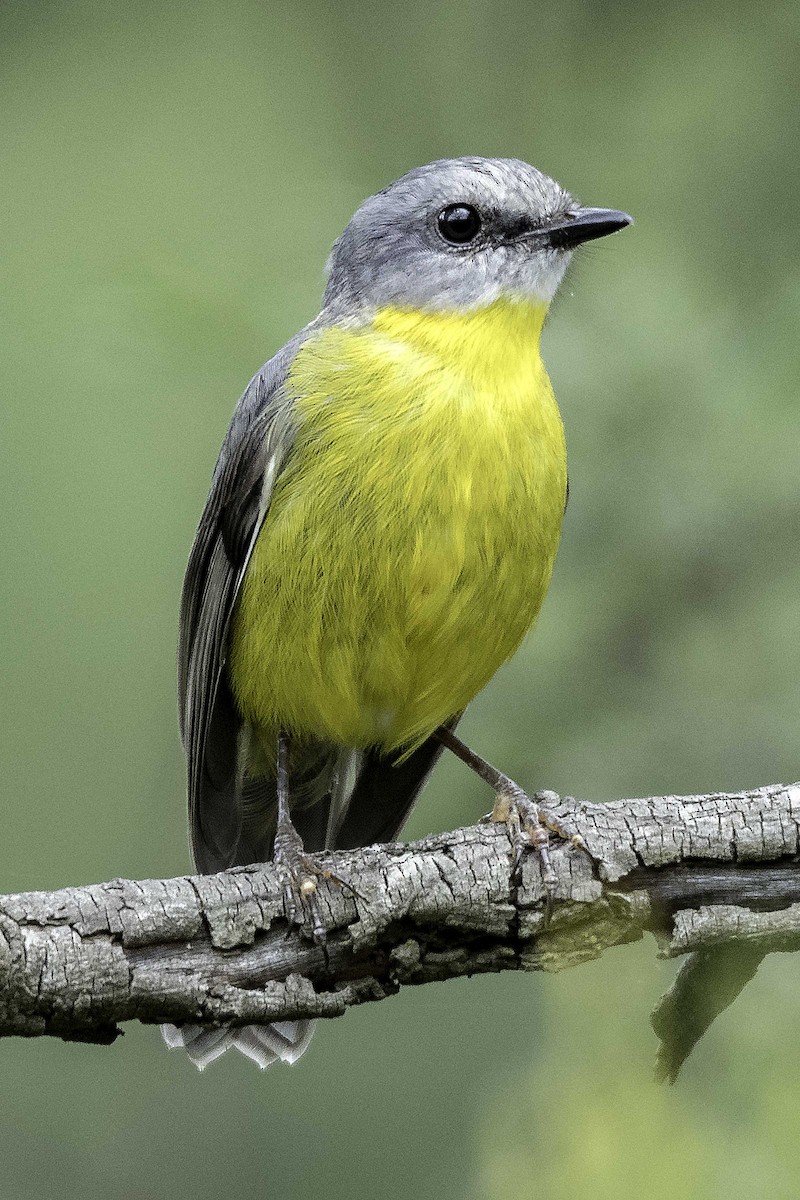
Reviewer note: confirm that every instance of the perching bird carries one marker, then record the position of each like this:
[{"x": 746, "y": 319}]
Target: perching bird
[{"x": 380, "y": 533}]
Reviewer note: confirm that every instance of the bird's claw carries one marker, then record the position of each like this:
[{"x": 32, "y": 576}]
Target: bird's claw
[
  {"x": 530, "y": 820},
  {"x": 301, "y": 883},
  {"x": 301, "y": 889}
]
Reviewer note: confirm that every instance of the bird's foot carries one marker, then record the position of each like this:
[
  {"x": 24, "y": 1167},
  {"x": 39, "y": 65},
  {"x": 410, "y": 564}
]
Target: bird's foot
[
  {"x": 530, "y": 820},
  {"x": 302, "y": 874},
  {"x": 301, "y": 890}
]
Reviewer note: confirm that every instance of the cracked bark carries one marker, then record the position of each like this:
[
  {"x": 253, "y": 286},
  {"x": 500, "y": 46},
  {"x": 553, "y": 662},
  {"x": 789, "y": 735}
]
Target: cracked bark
[{"x": 715, "y": 877}]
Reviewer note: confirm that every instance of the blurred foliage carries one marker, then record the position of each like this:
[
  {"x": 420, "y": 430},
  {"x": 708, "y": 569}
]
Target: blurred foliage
[{"x": 171, "y": 177}]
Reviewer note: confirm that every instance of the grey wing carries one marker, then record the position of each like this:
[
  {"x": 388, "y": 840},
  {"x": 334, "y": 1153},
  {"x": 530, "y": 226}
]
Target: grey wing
[{"x": 258, "y": 440}]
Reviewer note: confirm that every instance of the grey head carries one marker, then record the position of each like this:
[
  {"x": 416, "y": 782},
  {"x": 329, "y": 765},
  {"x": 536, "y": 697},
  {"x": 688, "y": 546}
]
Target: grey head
[{"x": 459, "y": 234}]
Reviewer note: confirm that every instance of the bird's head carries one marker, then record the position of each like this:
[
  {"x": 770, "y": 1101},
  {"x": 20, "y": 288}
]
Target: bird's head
[{"x": 458, "y": 234}]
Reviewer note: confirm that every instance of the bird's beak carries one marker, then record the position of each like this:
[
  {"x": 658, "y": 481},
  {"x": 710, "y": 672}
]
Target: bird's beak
[{"x": 584, "y": 225}]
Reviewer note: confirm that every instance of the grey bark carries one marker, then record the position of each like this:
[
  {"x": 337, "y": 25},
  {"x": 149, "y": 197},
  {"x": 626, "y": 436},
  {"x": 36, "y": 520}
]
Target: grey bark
[{"x": 703, "y": 873}]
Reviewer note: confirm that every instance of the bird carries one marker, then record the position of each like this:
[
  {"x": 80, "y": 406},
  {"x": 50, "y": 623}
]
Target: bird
[{"x": 378, "y": 538}]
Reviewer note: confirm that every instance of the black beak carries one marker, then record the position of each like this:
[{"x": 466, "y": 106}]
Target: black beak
[{"x": 584, "y": 225}]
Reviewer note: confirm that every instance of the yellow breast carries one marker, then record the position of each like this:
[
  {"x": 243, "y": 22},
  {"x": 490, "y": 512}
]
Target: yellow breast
[{"x": 411, "y": 536}]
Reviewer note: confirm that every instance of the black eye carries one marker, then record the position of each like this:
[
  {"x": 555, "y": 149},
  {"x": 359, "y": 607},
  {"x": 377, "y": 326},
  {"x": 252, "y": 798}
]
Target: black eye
[{"x": 458, "y": 223}]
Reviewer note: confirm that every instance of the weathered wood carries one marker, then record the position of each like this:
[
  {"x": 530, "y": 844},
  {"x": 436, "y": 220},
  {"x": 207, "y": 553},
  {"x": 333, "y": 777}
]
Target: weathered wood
[{"x": 699, "y": 871}]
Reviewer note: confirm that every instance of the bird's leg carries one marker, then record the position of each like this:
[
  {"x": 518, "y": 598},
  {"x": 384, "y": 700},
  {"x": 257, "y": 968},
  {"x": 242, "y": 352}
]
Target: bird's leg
[
  {"x": 529, "y": 819},
  {"x": 300, "y": 893}
]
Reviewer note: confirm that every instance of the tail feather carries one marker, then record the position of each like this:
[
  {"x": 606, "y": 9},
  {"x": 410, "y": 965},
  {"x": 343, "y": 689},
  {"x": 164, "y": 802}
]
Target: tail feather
[{"x": 283, "y": 1041}]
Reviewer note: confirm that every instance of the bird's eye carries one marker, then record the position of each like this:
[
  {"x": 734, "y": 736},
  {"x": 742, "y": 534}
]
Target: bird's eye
[{"x": 459, "y": 223}]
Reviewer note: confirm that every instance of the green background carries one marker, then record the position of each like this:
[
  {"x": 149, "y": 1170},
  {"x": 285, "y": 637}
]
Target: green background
[{"x": 171, "y": 178}]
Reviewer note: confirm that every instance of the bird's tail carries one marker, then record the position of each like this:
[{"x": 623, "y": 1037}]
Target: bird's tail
[{"x": 264, "y": 1044}]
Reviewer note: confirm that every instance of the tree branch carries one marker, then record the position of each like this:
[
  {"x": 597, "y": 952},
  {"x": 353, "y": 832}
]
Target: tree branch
[{"x": 701, "y": 872}]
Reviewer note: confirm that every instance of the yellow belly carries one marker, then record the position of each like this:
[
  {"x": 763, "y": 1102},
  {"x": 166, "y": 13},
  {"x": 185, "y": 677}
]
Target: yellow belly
[{"x": 411, "y": 535}]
